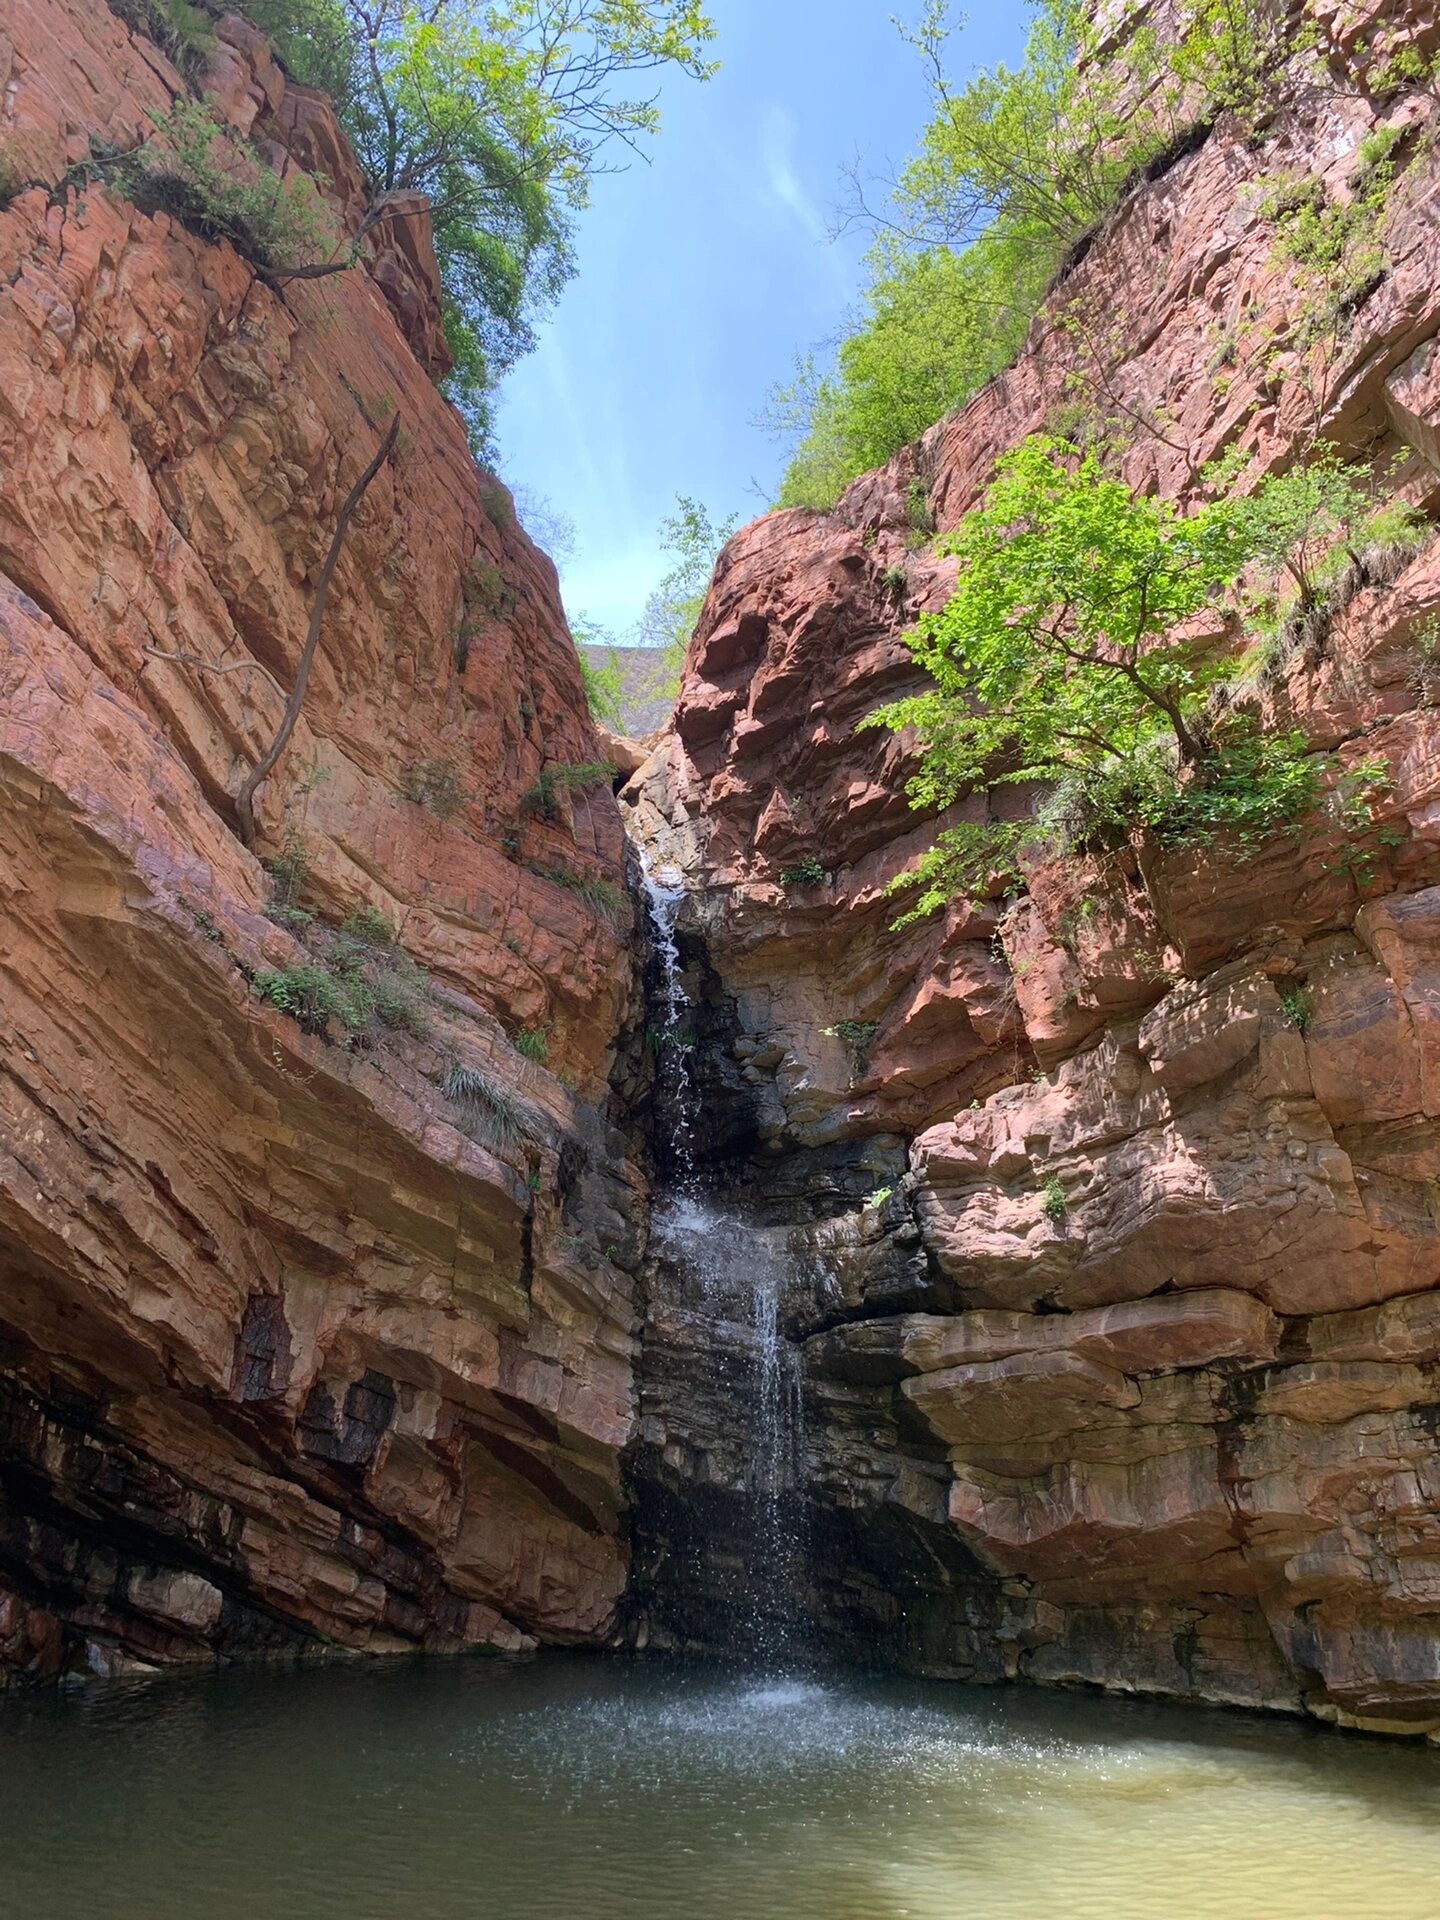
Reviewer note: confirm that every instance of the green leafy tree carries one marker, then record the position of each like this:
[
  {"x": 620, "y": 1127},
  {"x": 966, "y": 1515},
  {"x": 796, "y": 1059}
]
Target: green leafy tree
[
  {"x": 1013, "y": 168},
  {"x": 1062, "y": 658},
  {"x": 500, "y": 115},
  {"x": 672, "y": 612},
  {"x": 604, "y": 683}
]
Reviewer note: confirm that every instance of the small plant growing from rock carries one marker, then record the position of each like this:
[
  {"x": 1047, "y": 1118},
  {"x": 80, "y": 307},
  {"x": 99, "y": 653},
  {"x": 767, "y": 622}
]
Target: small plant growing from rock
[
  {"x": 805, "y": 873},
  {"x": 223, "y": 190},
  {"x": 878, "y": 1198},
  {"x": 369, "y": 924},
  {"x": 434, "y": 785},
  {"x": 351, "y": 978},
  {"x": 553, "y": 783},
  {"x": 1298, "y": 1005},
  {"x": 917, "y": 509},
  {"x": 311, "y": 995},
  {"x": 489, "y": 1110},
  {"x": 533, "y": 1043},
  {"x": 181, "y": 31},
  {"x": 1052, "y": 1200},
  {"x": 602, "y": 896},
  {"x": 896, "y": 579}
]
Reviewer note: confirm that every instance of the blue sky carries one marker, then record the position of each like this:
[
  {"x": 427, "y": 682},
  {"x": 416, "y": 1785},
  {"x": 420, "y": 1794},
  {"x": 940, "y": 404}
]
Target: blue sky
[{"x": 702, "y": 274}]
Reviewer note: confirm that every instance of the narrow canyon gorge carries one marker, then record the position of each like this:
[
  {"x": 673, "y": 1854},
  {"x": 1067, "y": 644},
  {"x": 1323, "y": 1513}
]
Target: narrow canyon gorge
[{"x": 1054, "y": 1282}]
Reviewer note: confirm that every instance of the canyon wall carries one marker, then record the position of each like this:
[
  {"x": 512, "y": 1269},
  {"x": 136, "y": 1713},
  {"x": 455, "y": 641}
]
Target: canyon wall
[
  {"x": 1131, "y": 1378},
  {"x": 295, "y": 1350}
]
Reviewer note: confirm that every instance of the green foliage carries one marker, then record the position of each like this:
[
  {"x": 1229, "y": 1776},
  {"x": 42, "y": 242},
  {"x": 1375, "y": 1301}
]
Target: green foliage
[
  {"x": 1053, "y": 652},
  {"x": 808, "y": 872},
  {"x": 553, "y": 783},
  {"x": 485, "y": 589},
  {"x": 435, "y": 785},
  {"x": 1249, "y": 787},
  {"x": 600, "y": 895},
  {"x": 225, "y": 190},
  {"x": 502, "y": 114},
  {"x": 290, "y": 868},
  {"x": 896, "y": 579},
  {"x": 878, "y": 1198},
  {"x": 181, "y": 31},
  {"x": 352, "y": 979},
  {"x": 917, "y": 507},
  {"x": 672, "y": 610},
  {"x": 1053, "y": 1200},
  {"x": 533, "y": 1043},
  {"x": 489, "y": 1109},
  {"x": 1013, "y": 169},
  {"x": 1233, "y": 48},
  {"x": 311, "y": 995},
  {"x": 368, "y": 923},
  {"x": 604, "y": 686},
  {"x": 1300, "y": 528},
  {"x": 1060, "y": 659},
  {"x": 1298, "y": 1005},
  {"x": 859, "y": 1037}
]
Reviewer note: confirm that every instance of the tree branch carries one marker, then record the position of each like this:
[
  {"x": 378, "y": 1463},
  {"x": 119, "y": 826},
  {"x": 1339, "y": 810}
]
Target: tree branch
[{"x": 265, "y": 765}]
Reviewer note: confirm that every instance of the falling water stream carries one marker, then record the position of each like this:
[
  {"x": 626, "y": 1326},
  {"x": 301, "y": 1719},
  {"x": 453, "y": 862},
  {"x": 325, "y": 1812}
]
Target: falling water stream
[{"x": 736, "y": 1273}]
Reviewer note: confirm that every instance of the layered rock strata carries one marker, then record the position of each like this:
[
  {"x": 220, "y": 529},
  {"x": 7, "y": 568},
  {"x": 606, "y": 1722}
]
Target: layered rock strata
[
  {"x": 1165, "y": 1374},
  {"x": 294, "y": 1349}
]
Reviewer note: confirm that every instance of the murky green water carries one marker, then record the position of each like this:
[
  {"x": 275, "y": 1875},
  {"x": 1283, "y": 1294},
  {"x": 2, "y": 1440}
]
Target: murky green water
[{"x": 584, "y": 1789}]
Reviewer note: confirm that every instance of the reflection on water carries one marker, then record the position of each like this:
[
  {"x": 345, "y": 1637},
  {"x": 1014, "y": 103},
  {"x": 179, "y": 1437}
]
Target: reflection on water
[{"x": 578, "y": 1788}]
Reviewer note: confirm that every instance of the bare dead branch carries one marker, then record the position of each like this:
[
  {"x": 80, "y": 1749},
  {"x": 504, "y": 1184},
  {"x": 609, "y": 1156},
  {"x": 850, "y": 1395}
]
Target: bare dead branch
[{"x": 265, "y": 765}]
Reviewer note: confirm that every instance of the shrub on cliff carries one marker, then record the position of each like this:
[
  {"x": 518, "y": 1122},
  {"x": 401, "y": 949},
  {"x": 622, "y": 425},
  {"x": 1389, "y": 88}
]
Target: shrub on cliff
[
  {"x": 1080, "y": 650},
  {"x": 224, "y": 189}
]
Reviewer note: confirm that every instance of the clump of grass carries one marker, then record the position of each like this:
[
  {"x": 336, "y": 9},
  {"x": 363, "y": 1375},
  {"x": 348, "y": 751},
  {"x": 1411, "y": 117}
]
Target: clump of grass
[
  {"x": 554, "y": 783},
  {"x": 434, "y": 785},
  {"x": 296, "y": 920},
  {"x": 311, "y": 995},
  {"x": 489, "y": 1110},
  {"x": 896, "y": 579},
  {"x": 533, "y": 1043},
  {"x": 351, "y": 981},
  {"x": 917, "y": 512},
  {"x": 1052, "y": 1199},
  {"x": 290, "y": 868},
  {"x": 600, "y": 895},
  {"x": 368, "y": 923},
  {"x": 181, "y": 31}
]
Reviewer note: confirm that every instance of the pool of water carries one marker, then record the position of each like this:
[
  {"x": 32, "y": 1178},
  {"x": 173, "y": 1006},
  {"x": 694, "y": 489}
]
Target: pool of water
[{"x": 581, "y": 1788}]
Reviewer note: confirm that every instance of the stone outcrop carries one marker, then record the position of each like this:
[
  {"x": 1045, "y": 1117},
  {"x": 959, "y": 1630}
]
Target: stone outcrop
[
  {"x": 1162, "y": 1371},
  {"x": 294, "y": 1350}
]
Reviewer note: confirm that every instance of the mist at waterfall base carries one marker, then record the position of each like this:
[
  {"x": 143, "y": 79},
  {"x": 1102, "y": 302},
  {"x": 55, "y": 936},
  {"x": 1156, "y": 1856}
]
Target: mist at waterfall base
[{"x": 586, "y": 1787}]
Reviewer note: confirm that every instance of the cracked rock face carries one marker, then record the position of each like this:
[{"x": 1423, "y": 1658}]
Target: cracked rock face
[
  {"x": 1167, "y": 1369},
  {"x": 293, "y": 1352}
]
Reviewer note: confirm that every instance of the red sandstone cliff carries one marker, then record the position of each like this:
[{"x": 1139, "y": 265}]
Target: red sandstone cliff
[
  {"x": 288, "y": 1353},
  {"x": 1188, "y": 1417}
]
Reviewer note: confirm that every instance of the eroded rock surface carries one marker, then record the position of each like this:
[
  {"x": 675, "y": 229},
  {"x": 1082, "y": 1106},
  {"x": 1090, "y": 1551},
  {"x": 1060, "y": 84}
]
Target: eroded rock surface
[{"x": 293, "y": 1349}]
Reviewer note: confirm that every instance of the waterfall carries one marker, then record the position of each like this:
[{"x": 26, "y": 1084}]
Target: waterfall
[
  {"x": 675, "y": 1085},
  {"x": 728, "y": 1278}
]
